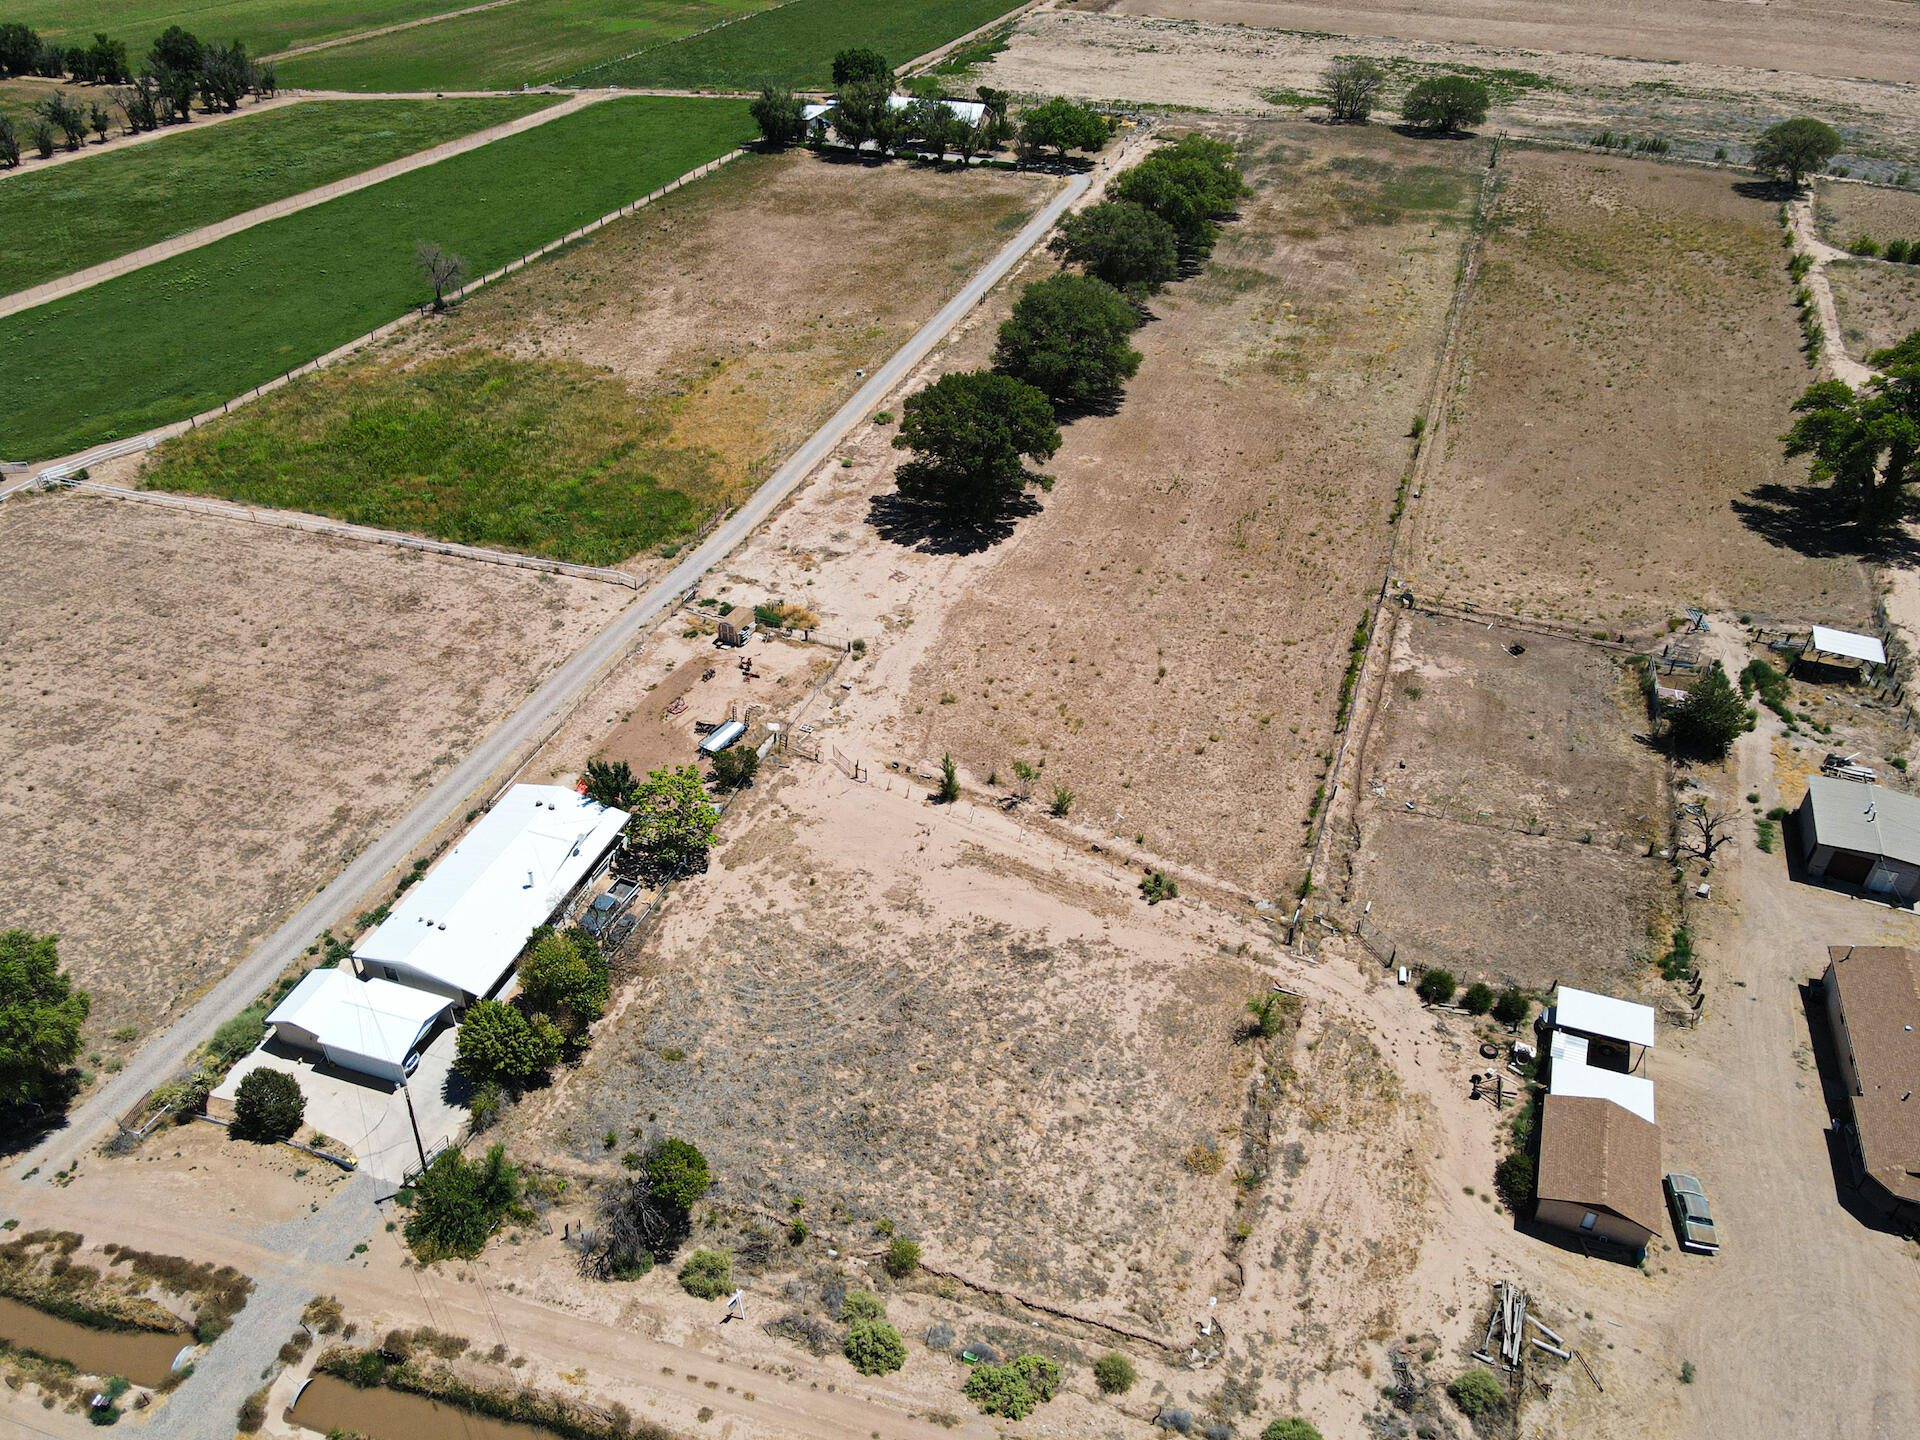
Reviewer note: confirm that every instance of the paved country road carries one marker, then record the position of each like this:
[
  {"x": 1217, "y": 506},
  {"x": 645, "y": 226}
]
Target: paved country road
[
  {"x": 161, "y": 1059},
  {"x": 287, "y": 205}
]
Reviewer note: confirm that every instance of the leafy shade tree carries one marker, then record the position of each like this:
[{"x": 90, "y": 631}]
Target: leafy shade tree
[
  {"x": 1705, "y": 724},
  {"x": 1795, "y": 149},
  {"x": 174, "y": 63},
  {"x": 1445, "y": 104},
  {"x": 931, "y": 124},
  {"x": 99, "y": 119},
  {"x": 1512, "y": 1007},
  {"x": 1067, "y": 337},
  {"x": 63, "y": 115},
  {"x": 677, "y": 1174},
  {"x": 1291, "y": 1427},
  {"x": 19, "y": 49},
  {"x": 1865, "y": 444},
  {"x": 781, "y": 116},
  {"x": 1436, "y": 987},
  {"x": 1060, "y": 126},
  {"x": 971, "y": 433},
  {"x": 1352, "y": 89},
  {"x": 226, "y": 74},
  {"x": 1114, "y": 1373},
  {"x": 267, "y": 1107},
  {"x": 441, "y": 269},
  {"x": 458, "y": 1203},
  {"x": 998, "y": 127},
  {"x": 1478, "y": 1000},
  {"x": 735, "y": 767},
  {"x": 40, "y": 1017},
  {"x": 43, "y": 141},
  {"x": 864, "y": 114},
  {"x": 861, "y": 66},
  {"x": 1190, "y": 184},
  {"x": 563, "y": 974},
  {"x": 499, "y": 1043},
  {"x": 1126, "y": 245},
  {"x": 611, "y": 783},
  {"x": 874, "y": 1347},
  {"x": 707, "y": 1275},
  {"x": 673, "y": 820}
]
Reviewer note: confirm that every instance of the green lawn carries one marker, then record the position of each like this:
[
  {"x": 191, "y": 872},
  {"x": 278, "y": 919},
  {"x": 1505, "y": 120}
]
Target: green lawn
[
  {"x": 266, "y": 26},
  {"x": 183, "y": 335},
  {"x": 529, "y": 41},
  {"x": 795, "y": 44},
  {"x": 545, "y": 458},
  {"x": 56, "y": 221}
]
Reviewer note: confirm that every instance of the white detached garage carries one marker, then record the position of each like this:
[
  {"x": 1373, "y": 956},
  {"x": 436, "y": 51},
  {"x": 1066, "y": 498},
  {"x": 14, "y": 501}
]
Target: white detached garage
[{"x": 371, "y": 1027}]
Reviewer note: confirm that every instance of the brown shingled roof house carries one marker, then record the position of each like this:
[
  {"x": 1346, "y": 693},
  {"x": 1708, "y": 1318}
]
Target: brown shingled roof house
[
  {"x": 1599, "y": 1171},
  {"x": 1873, "y": 1004}
]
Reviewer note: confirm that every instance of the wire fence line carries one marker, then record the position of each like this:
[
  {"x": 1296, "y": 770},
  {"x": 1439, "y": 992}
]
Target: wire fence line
[{"x": 99, "y": 454}]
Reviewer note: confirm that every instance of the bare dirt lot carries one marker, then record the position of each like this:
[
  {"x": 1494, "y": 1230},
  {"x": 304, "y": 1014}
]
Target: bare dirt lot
[
  {"x": 1845, "y": 212},
  {"x": 1166, "y": 637},
  {"x": 1699, "y": 106},
  {"x": 201, "y": 721},
  {"x": 1878, "y": 303},
  {"x": 1630, "y": 359},
  {"x": 1878, "y": 39}
]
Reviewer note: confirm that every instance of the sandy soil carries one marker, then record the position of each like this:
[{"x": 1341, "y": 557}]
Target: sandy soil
[
  {"x": 1610, "y": 453},
  {"x": 1877, "y": 40},
  {"x": 1698, "y": 106},
  {"x": 1165, "y": 638},
  {"x": 1878, "y": 303},
  {"x": 167, "y": 677},
  {"x": 1847, "y": 211}
]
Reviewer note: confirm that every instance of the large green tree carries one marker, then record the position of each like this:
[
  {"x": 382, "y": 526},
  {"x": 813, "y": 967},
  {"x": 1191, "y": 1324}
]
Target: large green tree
[
  {"x": 459, "y": 1203},
  {"x": 1352, "y": 88},
  {"x": 864, "y": 114},
  {"x": 611, "y": 783},
  {"x": 563, "y": 974},
  {"x": 861, "y": 66},
  {"x": 267, "y": 1107},
  {"x": 1067, "y": 337},
  {"x": 1865, "y": 444},
  {"x": 677, "y": 1174},
  {"x": 1190, "y": 184},
  {"x": 1705, "y": 724},
  {"x": 40, "y": 1017},
  {"x": 1795, "y": 149},
  {"x": 1124, "y": 244},
  {"x": 673, "y": 820},
  {"x": 1446, "y": 103},
  {"x": 971, "y": 433},
  {"x": 1060, "y": 126},
  {"x": 499, "y": 1043},
  {"x": 781, "y": 116}
]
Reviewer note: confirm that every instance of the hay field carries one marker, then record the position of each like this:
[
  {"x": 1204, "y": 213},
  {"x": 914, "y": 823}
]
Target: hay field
[
  {"x": 1167, "y": 636},
  {"x": 1611, "y": 452},
  {"x": 201, "y": 721}
]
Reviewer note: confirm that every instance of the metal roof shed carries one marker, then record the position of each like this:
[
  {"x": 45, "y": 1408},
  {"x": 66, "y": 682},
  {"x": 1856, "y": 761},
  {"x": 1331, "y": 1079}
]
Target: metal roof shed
[
  {"x": 1843, "y": 647},
  {"x": 1861, "y": 835},
  {"x": 1602, "y": 1015}
]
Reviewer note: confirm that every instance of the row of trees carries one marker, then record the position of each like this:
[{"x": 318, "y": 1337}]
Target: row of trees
[
  {"x": 1354, "y": 88},
  {"x": 1065, "y": 346},
  {"x": 23, "y": 52}
]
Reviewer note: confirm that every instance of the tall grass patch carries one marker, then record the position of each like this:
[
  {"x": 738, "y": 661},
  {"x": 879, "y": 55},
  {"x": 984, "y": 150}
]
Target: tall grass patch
[
  {"x": 186, "y": 334},
  {"x": 542, "y": 457}
]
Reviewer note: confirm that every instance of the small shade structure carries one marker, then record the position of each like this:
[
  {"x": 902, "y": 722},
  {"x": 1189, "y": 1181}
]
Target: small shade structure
[
  {"x": 372, "y": 1027},
  {"x": 1617, "y": 1031},
  {"x": 1843, "y": 648},
  {"x": 1599, "y": 1171},
  {"x": 1571, "y": 1075},
  {"x": 970, "y": 112},
  {"x": 458, "y": 932}
]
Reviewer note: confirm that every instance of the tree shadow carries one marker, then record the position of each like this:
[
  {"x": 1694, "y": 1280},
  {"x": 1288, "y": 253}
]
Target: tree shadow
[
  {"x": 933, "y": 530},
  {"x": 1776, "y": 192},
  {"x": 1802, "y": 518}
]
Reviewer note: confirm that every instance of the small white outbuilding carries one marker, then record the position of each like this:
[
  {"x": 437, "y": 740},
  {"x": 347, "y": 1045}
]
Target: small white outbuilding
[{"x": 371, "y": 1027}]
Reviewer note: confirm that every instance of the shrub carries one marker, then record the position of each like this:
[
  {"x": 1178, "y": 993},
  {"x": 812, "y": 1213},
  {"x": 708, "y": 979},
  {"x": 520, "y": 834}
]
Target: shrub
[
  {"x": 862, "y": 1305},
  {"x": 1436, "y": 987},
  {"x": 734, "y": 768},
  {"x": 1512, "y": 1007},
  {"x": 1516, "y": 1179},
  {"x": 874, "y": 1347},
  {"x": 903, "y": 1258},
  {"x": 1865, "y": 246},
  {"x": 1291, "y": 1428},
  {"x": 1062, "y": 802},
  {"x": 1478, "y": 1000},
  {"x": 1157, "y": 885},
  {"x": 253, "y": 1412},
  {"x": 677, "y": 1173},
  {"x": 707, "y": 1274},
  {"x": 1477, "y": 1393},
  {"x": 1000, "y": 1390},
  {"x": 1041, "y": 1374},
  {"x": 1114, "y": 1373},
  {"x": 236, "y": 1037},
  {"x": 458, "y": 1203},
  {"x": 949, "y": 790},
  {"x": 497, "y": 1042},
  {"x": 1897, "y": 251},
  {"x": 267, "y": 1107},
  {"x": 565, "y": 975}
]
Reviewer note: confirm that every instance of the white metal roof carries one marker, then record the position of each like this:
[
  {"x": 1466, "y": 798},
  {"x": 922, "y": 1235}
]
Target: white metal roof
[
  {"x": 1629, "y": 1092},
  {"x": 1603, "y": 1015},
  {"x": 971, "y": 111},
  {"x": 374, "y": 1018},
  {"x": 1845, "y": 642},
  {"x": 467, "y": 921}
]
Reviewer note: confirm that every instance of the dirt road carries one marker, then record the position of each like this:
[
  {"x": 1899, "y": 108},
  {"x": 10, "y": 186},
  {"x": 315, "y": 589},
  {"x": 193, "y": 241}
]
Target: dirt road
[{"x": 291, "y": 205}]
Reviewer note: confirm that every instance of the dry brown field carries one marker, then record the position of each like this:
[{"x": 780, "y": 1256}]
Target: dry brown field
[
  {"x": 1878, "y": 303},
  {"x": 1507, "y": 808},
  {"x": 1877, "y": 39},
  {"x": 1166, "y": 637},
  {"x": 1630, "y": 359},
  {"x": 201, "y": 721},
  {"x": 1845, "y": 212},
  {"x": 1700, "y": 106}
]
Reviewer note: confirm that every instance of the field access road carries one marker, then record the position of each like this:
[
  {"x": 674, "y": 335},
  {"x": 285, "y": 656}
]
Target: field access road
[
  {"x": 161, "y": 1059},
  {"x": 288, "y": 205}
]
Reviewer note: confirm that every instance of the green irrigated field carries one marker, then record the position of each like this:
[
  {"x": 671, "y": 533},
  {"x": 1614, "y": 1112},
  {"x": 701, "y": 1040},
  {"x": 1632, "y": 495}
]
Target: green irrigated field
[
  {"x": 528, "y": 41},
  {"x": 266, "y": 26},
  {"x": 795, "y": 43},
  {"x": 56, "y": 221},
  {"x": 177, "y": 337}
]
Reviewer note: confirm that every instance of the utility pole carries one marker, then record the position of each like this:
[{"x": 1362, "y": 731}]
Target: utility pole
[{"x": 414, "y": 1120}]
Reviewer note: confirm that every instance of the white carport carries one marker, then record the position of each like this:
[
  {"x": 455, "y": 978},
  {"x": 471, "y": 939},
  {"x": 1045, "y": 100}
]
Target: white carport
[
  {"x": 372, "y": 1027},
  {"x": 1843, "y": 647}
]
